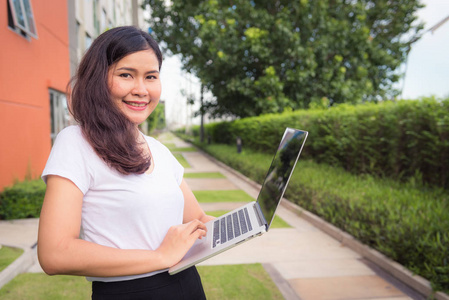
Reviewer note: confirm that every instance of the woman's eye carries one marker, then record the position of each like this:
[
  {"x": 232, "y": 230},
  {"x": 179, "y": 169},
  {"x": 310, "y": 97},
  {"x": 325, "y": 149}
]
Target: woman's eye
[
  {"x": 125, "y": 75},
  {"x": 151, "y": 77}
]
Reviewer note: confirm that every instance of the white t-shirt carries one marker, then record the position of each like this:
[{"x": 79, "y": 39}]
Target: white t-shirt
[{"x": 120, "y": 211}]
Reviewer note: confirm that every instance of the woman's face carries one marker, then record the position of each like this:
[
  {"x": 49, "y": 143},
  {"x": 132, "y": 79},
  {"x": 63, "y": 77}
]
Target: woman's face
[{"x": 135, "y": 85}]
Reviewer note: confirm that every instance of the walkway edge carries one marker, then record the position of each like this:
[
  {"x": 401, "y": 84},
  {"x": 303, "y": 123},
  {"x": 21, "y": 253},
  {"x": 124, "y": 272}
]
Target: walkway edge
[
  {"x": 284, "y": 287},
  {"x": 393, "y": 268},
  {"x": 20, "y": 265}
]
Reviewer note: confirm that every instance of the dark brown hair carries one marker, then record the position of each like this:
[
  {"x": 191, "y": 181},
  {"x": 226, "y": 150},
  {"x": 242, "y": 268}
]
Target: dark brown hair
[{"x": 107, "y": 129}]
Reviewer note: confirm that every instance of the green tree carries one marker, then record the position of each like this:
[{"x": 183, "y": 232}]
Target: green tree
[{"x": 263, "y": 56}]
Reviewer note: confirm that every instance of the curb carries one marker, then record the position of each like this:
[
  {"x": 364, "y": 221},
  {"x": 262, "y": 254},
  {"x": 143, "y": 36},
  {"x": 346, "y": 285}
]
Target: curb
[
  {"x": 20, "y": 265},
  {"x": 416, "y": 282},
  {"x": 282, "y": 284},
  {"x": 393, "y": 268}
]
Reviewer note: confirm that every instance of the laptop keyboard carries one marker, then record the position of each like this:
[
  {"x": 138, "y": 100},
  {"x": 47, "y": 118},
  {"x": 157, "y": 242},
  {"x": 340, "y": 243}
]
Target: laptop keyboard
[{"x": 231, "y": 226}]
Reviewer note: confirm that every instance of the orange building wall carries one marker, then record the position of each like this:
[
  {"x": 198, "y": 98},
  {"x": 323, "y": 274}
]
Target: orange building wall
[{"x": 28, "y": 68}]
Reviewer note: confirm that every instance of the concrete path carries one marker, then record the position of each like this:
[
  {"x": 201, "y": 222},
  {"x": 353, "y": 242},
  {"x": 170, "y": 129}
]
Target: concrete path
[{"x": 304, "y": 261}]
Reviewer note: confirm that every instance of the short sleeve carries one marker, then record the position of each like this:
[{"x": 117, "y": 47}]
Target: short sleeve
[{"x": 69, "y": 158}]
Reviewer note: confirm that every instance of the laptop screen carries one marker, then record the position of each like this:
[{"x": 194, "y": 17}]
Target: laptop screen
[{"x": 280, "y": 171}]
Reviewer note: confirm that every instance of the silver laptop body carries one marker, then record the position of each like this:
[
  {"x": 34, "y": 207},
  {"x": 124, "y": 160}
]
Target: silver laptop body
[{"x": 254, "y": 218}]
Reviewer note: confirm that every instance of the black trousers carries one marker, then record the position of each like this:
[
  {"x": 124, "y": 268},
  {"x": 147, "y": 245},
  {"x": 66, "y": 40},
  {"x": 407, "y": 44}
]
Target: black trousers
[{"x": 185, "y": 285}]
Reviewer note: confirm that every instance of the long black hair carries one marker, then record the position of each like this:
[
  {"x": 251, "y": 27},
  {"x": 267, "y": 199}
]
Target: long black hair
[{"x": 107, "y": 129}]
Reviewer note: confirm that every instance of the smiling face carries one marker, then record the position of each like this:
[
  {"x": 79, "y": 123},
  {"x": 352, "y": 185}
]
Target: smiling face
[{"x": 135, "y": 85}]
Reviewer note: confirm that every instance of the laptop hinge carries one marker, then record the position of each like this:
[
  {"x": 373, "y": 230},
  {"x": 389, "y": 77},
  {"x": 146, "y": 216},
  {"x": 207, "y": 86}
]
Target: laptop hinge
[{"x": 259, "y": 215}]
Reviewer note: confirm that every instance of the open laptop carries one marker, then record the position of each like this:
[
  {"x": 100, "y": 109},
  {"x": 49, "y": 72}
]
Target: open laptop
[{"x": 254, "y": 218}]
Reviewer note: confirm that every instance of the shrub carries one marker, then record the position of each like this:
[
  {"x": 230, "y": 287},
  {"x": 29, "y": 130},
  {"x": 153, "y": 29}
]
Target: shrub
[
  {"x": 401, "y": 140},
  {"x": 22, "y": 200}
]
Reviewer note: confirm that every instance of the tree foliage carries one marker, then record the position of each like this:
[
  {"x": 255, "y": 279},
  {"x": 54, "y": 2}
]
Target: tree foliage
[{"x": 262, "y": 56}]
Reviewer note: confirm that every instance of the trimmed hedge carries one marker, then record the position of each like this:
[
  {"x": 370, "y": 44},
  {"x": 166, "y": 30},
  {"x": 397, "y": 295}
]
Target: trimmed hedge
[
  {"x": 401, "y": 140},
  {"x": 22, "y": 200}
]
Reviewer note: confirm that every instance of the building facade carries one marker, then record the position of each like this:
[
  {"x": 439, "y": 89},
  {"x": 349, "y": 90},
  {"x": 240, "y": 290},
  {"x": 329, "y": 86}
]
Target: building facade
[
  {"x": 43, "y": 42},
  {"x": 34, "y": 66},
  {"x": 89, "y": 18}
]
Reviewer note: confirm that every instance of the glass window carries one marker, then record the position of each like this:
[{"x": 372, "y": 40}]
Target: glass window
[
  {"x": 103, "y": 21},
  {"x": 88, "y": 41},
  {"x": 59, "y": 113},
  {"x": 22, "y": 16}
]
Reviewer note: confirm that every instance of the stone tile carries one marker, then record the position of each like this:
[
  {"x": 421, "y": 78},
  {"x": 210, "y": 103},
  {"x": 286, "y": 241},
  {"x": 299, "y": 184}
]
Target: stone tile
[
  {"x": 19, "y": 233},
  {"x": 36, "y": 267},
  {"x": 200, "y": 163},
  {"x": 221, "y": 206},
  {"x": 208, "y": 184},
  {"x": 295, "y": 220},
  {"x": 344, "y": 288},
  {"x": 283, "y": 245},
  {"x": 388, "y": 298},
  {"x": 323, "y": 268}
]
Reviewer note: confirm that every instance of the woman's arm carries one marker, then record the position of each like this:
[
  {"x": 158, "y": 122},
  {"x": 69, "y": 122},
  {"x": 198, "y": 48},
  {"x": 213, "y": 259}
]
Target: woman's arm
[
  {"x": 61, "y": 251},
  {"x": 192, "y": 209}
]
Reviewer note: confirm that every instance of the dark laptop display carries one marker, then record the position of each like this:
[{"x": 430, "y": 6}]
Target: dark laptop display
[{"x": 280, "y": 172}]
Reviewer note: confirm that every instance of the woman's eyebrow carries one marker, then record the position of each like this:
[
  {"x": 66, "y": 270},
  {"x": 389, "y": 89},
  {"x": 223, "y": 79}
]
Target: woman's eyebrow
[
  {"x": 135, "y": 70},
  {"x": 126, "y": 69}
]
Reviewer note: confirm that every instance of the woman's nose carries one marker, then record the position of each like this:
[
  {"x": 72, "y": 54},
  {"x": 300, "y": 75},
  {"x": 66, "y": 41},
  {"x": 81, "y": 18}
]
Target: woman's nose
[{"x": 140, "y": 88}]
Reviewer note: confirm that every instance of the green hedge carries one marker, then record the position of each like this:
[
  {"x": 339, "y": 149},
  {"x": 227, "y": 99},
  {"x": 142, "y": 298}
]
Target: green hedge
[
  {"x": 22, "y": 200},
  {"x": 402, "y": 140},
  {"x": 407, "y": 222}
]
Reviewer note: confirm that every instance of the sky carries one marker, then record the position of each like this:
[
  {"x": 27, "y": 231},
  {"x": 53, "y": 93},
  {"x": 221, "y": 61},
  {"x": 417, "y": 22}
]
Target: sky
[
  {"x": 428, "y": 62},
  {"x": 426, "y": 70}
]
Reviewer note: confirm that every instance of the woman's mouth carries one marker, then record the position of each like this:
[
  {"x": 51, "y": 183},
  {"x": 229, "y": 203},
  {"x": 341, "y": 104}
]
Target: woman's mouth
[{"x": 136, "y": 105}]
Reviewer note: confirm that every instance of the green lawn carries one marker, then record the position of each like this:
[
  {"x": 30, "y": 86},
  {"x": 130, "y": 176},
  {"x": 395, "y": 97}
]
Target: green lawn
[
  {"x": 222, "y": 196},
  {"x": 8, "y": 255},
  {"x": 220, "y": 282},
  {"x": 238, "y": 282},
  {"x": 204, "y": 175},
  {"x": 182, "y": 160},
  {"x": 277, "y": 222},
  {"x": 30, "y": 286},
  {"x": 183, "y": 149},
  {"x": 170, "y": 145}
]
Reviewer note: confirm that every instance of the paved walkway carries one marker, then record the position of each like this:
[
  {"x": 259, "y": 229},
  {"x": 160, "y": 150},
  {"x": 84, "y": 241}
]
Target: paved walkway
[{"x": 303, "y": 261}]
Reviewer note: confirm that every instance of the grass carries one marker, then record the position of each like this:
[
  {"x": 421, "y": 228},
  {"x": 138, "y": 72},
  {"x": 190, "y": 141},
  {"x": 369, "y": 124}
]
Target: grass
[
  {"x": 278, "y": 222},
  {"x": 222, "y": 196},
  {"x": 183, "y": 149},
  {"x": 170, "y": 145},
  {"x": 204, "y": 175},
  {"x": 8, "y": 255},
  {"x": 182, "y": 160},
  {"x": 238, "y": 282},
  {"x": 220, "y": 282},
  {"x": 39, "y": 286}
]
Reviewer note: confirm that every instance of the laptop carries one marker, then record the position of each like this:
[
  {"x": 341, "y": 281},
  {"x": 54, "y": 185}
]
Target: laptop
[{"x": 252, "y": 219}]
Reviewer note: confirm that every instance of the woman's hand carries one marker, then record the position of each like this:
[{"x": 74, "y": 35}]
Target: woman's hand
[{"x": 179, "y": 239}]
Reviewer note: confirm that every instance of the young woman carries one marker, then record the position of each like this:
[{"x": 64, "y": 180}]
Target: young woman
[{"x": 117, "y": 209}]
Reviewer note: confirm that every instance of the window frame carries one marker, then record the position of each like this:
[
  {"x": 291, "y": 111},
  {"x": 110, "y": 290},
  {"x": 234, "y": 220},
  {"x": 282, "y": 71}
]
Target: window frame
[
  {"x": 59, "y": 113},
  {"x": 25, "y": 14}
]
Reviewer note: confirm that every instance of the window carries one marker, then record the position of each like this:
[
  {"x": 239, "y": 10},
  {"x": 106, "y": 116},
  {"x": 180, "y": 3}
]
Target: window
[
  {"x": 22, "y": 18},
  {"x": 103, "y": 21},
  {"x": 59, "y": 113},
  {"x": 96, "y": 21},
  {"x": 87, "y": 41}
]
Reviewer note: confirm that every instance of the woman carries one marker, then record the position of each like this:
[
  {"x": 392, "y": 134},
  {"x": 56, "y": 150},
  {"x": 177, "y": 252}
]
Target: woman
[{"x": 116, "y": 208}]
